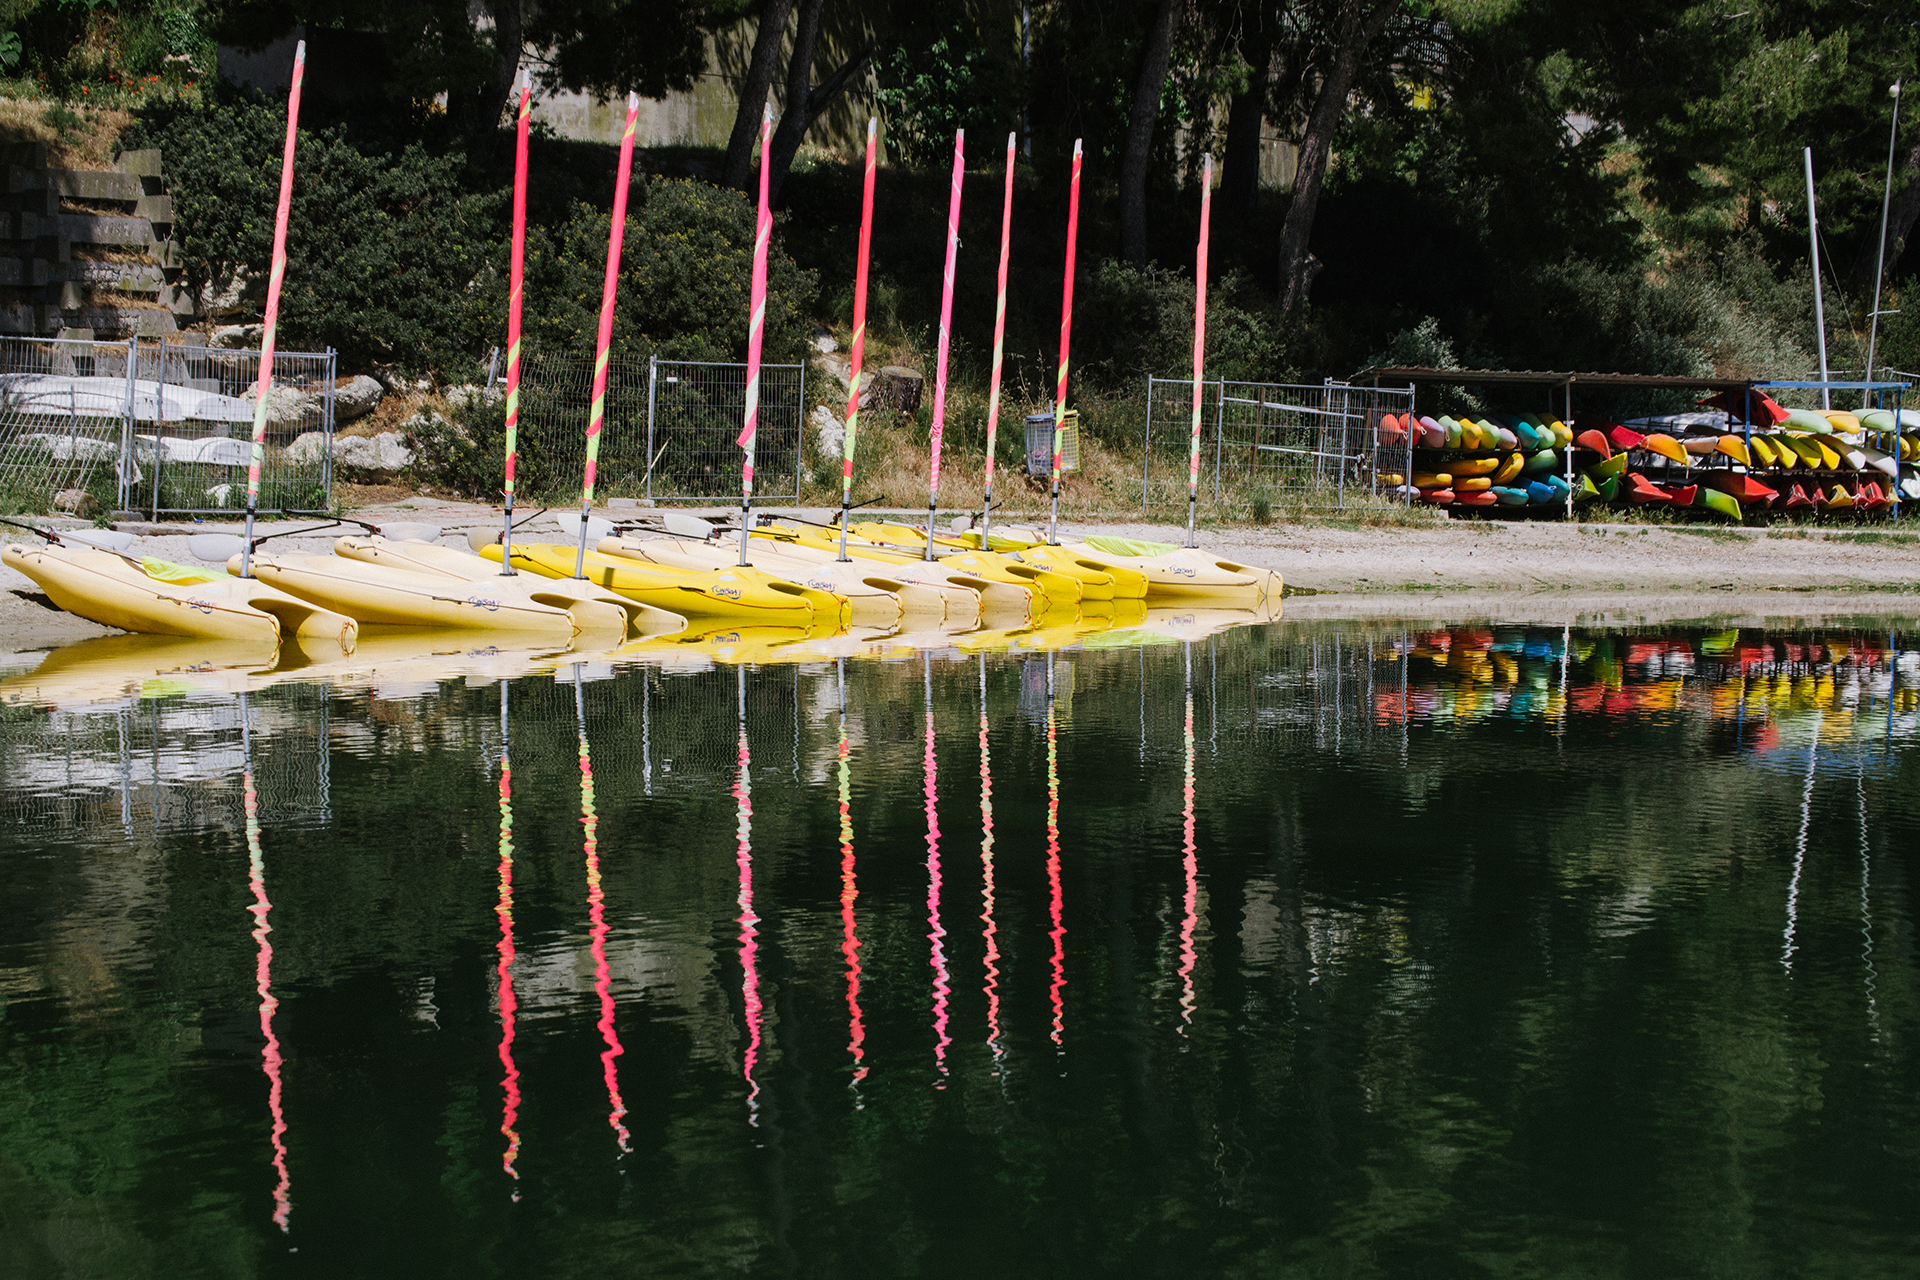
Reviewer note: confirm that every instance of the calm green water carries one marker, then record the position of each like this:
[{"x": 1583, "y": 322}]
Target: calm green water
[{"x": 1302, "y": 950}]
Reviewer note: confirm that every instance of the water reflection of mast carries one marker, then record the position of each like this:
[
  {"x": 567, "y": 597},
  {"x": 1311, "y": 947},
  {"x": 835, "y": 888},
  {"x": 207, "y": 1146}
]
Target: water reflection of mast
[
  {"x": 597, "y": 918},
  {"x": 989, "y": 934},
  {"x": 1866, "y": 909},
  {"x": 509, "y": 1006},
  {"x": 936, "y": 934},
  {"x": 263, "y": 972},
  {"x": 1189, "y": 918},
  {"x": 1800, "y": 847},
  {"x": 1056, "y": 991},
  {"x": 849, "y": 894},
  {"x": 749, "y": 934}
]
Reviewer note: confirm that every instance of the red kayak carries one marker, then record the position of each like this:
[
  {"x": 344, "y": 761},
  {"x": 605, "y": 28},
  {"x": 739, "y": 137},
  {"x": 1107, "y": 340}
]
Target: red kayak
[
  {"x": 1475, "y": 498},
  {"x": 1743, "y": 487},
  {"x": 1439, "y": 497},
  {"x": 1643, "y": 492},
  {"x": 1797, "y": 500},
  {"x": 1684, "y": 494},
  {"x": 1624, "y": 438},
  {"x": 1595, "y": 441}
]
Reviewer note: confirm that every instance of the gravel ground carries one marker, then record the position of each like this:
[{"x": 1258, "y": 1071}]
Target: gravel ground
[{"x": 1538, "y": 572}]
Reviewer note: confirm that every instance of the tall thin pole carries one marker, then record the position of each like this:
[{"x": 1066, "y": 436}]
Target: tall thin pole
[
  {"x": 938, "y": 429},
  {"x": 859, "y": 337},
  {"x": 1066, "y": 340},
  {"x": 999, "y": 347},
  {"x": 756, "y": 333},
  {"x": 597, "y": 413},
  {"x": 1199, "y": 343},
  {"x": 1880, "y": 264},
  {"x": 516, "y": 278},
  {"x": 271, "y": 321},
  {"x": 1819, "y": 306}
]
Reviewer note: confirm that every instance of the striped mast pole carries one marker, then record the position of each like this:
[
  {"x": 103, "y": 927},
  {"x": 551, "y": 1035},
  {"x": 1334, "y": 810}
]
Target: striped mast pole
[
  {"x": 756, "y": 333},
  {"x": 999, "y": 346},
  {"x": 938, "y": 429},
  {"x": 271, "y": 320},
  {"x": 1199, "y": 343},
  {"x": 596, "y": 415},
  {"x": 859, "y": 338},
  {"x": 514, "y": 294},
  {"x": 1066, "y": 338}
]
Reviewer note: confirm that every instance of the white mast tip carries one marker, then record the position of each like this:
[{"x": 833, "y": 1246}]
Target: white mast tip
[
  {"x": 633, "y": 102},
  {"x": 300, "y": 51}
]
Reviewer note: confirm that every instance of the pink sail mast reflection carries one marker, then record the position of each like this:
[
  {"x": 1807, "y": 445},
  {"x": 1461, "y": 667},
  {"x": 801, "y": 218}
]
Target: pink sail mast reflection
[
  {"x": 749, "y": 935},
  {"x": 849, "y": 895},
  {"x": 509, "y": 1006},
  {"x": 597, "y": 918},
  {"x": 990, "y": 932},
  {"x": 1189, "y": 919},
  {"x": 935, "y": 933},
  {"x": 1056, "y": 992},
  {"x": 270, "y": 1059}
]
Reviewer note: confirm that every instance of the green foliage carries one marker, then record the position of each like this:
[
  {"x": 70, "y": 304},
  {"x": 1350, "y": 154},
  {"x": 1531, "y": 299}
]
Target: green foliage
[
  {"x": 9, "y": 49},
  {"x": 686, "y": 270},
  {"x": 1132, "y": 320},
  {"x": 942, "y": 76},
  {"x": 384, "y": 251}
]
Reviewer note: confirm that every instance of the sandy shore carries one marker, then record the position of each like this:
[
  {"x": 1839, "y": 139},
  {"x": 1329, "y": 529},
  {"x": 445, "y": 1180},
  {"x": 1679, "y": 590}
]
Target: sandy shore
[{"x": 1555, "y": 574}]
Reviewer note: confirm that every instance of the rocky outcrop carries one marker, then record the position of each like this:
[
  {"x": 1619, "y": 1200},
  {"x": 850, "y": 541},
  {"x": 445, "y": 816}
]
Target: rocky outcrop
[{"x": 386, "y": 451}]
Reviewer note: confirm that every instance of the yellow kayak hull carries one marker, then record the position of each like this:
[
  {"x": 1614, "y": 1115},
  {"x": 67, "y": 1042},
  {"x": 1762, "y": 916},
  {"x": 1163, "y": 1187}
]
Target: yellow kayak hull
[
  {"x": 390, "y": 596},
  {"x": 745, "y": 595},
  {"x": 1192, "y": 574},
  {"x": 873, "y": 599},
  {"x": 104, "y": 588},
  {"x": 594, "y": 609},
  {"x": 1000, "y": 597},
  {"x": 1088, "y": 582}
]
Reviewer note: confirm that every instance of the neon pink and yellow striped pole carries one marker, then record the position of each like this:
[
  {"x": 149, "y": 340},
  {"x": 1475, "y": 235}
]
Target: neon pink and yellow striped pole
[
  {"x": 596, "y": 414},
  {"x": 756, "y": 333},
  {"x": 516, "y": 278},
  {"x": 1199, "y": 342},
  {"x": 859, "y": 337},
  {"x": 1066, "y": 340},
  {"x": 272, "y": 318},
  {"x": 999, "y": 345},
  {"x": 938, "y": 430}
]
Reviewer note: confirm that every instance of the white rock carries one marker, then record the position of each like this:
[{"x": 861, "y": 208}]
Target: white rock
[
  {"x": 355, "y": 397},
  {"x": 219, "y": 494},
  {"x": 236, "y": 337},
  {"x": 829, "y": 432},
  {"x": 288, "y": 408},
  {"x": 825, "y": 344},
  {"x": 461, "y": 396},
  {"x": 307, "y": 448},
  {"x": 391, "y": 452}
]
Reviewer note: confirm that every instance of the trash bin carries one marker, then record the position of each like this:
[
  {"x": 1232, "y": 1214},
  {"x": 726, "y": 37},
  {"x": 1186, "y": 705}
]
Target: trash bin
[{"x": 1040, "y": 443}]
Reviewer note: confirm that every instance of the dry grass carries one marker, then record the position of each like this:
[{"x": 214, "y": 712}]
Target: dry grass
[{"x": 87, "y": 145}]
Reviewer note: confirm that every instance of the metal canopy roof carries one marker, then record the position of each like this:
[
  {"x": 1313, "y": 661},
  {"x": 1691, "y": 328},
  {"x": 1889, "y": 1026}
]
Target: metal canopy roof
[{"x": 1417, "y": 374}]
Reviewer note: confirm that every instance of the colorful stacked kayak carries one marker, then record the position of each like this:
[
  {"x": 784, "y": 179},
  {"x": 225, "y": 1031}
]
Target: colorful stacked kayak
[{"x": 1499, "y": 461}]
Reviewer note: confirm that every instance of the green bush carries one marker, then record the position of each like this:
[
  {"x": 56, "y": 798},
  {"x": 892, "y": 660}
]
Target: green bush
[
  {"x": 686, "y": 270},
  {"x": 384, "y": 252},
  {"x": 1130, "y": 321}
]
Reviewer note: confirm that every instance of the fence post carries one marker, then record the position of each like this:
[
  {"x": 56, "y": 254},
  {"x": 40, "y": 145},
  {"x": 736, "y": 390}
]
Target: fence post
[
  {"x": 1406, "y": 477},
  {"x": 1346, "y": 407},
  {"x": 326, "y": 426},
  {"x": 800, "y": 431},
  {"x": 126, "y": 436},
  {"x": 653, "y": 383},
  {"x": 1146, "y": 448},
  {"x": 1219, "y": 432}
]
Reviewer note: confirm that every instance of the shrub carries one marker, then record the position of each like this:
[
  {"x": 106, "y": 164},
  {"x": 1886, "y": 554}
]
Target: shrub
[{"x": 1130, "y": 321}]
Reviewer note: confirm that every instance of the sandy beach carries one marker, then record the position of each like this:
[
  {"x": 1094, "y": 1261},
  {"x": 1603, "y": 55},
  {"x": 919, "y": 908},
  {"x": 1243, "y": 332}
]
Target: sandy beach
[{"x": 1579, "y": 574}]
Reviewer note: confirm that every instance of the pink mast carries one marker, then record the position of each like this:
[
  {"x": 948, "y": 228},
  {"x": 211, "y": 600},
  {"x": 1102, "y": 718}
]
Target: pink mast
[
  {"x": 1199, "y": 343},
  {"x": 999, "y": 345},
  {"x": 516, "y": 275},
  {"x": 1066, "y": 340},
  {"x": 946, "y": 329},
  {"x": 597, "y": 413},
  {"x": 270, "y": 328},
  {"x": 756, "y": 333},
  {"x": 859, "y": 338}
]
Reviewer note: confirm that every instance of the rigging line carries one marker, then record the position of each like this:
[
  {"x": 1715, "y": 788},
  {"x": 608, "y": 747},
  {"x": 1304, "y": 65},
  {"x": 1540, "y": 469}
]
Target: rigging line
[{"x": 1800, "y": 850}]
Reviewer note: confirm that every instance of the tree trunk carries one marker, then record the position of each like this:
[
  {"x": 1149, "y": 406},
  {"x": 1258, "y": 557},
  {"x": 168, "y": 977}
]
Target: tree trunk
[
  {"x": 753, "y": 94},
  {"x": 1356, "y": 31},
  {"x": 476, "y": 112},
  {"x": 1901, "y": 215},
  {"x": 1240, "y": 175},
  {"x": 805, "y": 100},
  {"x": 1146, "y": 110}
]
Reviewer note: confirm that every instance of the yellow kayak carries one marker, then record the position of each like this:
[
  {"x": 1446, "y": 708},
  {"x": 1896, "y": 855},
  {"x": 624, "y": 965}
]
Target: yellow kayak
[
  {"x": 117, "y": 591},
  {"x": 594, "y": 609},
  {"x": 1093, "y": 582},
  {"x": 746, "y": 595},
  {"x": 1128, "y": 583},
  {"x": 875, "y": 599},
  {"x": 1188, "y": 573},
  {"x": 383, "y": 593},
  {"x": 995, "y": 600}
]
